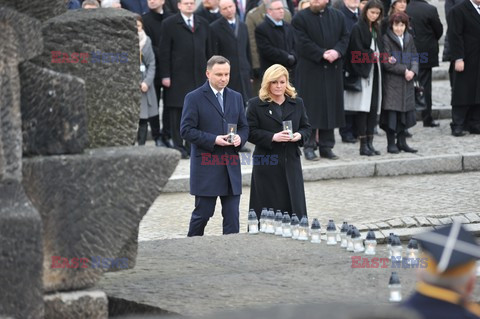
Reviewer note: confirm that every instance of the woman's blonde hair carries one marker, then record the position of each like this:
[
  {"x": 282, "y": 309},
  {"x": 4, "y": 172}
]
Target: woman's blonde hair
[{"x": 274, "y": 73}]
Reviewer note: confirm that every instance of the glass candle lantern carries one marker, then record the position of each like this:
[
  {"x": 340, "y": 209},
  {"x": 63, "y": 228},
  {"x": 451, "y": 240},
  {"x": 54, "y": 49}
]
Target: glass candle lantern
[
  {"x": 343, "y": 235},
  {"x": 370, "y": 243},
  {"x": 412, "y": 252},
  {"x": 349, "y": 238},
  {"x": 331, "y": 233},
  {"x": 389, "y": 244},
  {"x": 315, "y": 231},
  {"x": 252, "y": 222},
  {"x": 357, "y": 241},
  {"x": 263, "y": 220},
  {"x": 303, "y": 229},
  {"x": 395, "y": 288},
  {"x": 270, "y": 220},
  {"x": 278, "y": 223},
  {"x": 396, "y": 249},
  {"x": 294, "y": 226},
  {"x": 286, "y": 230}
]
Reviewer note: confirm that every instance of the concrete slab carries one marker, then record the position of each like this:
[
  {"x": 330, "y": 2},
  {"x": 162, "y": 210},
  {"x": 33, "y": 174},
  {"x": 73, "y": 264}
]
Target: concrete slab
[
  {"x": 420, "y": 165},
  {"x": 471, "y": 161},
  {"x": 473, "y": 217}
]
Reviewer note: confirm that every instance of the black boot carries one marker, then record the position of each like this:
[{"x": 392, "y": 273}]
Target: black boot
[
  {"x": 142, "y": 133},
  {"x": 392, "y": 147},
  {"x": 364, "y": 149},
  {"x": 370, "y": 145},
  {"x": 402, "y": 143}
]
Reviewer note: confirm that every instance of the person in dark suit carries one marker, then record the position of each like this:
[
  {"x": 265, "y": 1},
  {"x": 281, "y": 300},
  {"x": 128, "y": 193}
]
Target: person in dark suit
[
  {"x": 449, "y": 4},
  {"x": 428, "y": 30},
  {"x": 230, "y": 39},
  {"x": 171, "y": 6},
  {"x": 446, "y": 274},
  {"x": 184, "y": 50},
  {"x": 463, "y": 34},
  {"x": 275, "y": 39},
  {"x": 152, "y": 24},
  {"x": 277, "y": 181},
  {"x": 214, "y": 165},
  {"x": 209, "y": 10}
]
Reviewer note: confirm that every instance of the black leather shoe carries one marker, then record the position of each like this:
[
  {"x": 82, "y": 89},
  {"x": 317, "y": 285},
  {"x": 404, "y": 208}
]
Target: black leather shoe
[
  {"x": 349, "y": 139},
  {"x": 431, "y": 123},
  {"x": 327, "y": 153},
  {"x": 458, "y": 132},
  {"x": 408, "y": 134},
  {"x": 168, "y": 142},
  {"x": 475, "y": 130},
  {"x": 310, "y": 155},
  {"x": 392, "y": 149},
  {"x": 159, "y": 143}
]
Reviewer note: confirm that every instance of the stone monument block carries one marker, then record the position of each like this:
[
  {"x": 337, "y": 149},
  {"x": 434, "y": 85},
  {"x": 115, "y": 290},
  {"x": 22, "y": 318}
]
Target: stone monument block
[
  {"x": 21, "y": 293},
  {"x": 39, "y": 9},
  {"x": 101, "y": 47},
  {"x": 54, "y": 116},
  {"x": 91, "y": 205}
]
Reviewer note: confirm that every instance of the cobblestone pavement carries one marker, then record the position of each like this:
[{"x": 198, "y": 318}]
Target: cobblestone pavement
[{"x": 358, "y": 200}]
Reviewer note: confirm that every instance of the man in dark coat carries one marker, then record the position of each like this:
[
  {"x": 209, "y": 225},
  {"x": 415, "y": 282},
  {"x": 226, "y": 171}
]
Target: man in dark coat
[
  {"x": 428, "y": 30},
  {"x": 209, "y": 10},
  {"x": 321, "y": 41},
  {"x": 463, "y": 35},
  {"x": 171, "y": 6},
  {"x": 138, "y": 6},
  {"x": 351, "y": 12},
  {"x": 214, "y": 166},
  {"x": 275, "y": 39},
  {"x": 152, "y": 22},
  {"x": 184, "y": 50},
  {"x": 230, "y": 39},
  {"x": 449, "y": 4},
  {"x": 447, "y": 274}
]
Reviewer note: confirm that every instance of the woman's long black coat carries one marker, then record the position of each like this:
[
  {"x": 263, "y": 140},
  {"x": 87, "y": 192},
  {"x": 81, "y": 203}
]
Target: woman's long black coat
[{"x": 278, "y": 185}]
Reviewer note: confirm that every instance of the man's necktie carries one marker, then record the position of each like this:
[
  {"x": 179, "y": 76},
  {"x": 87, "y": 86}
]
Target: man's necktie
[
  {"x": 220, "y": 100},
  {"x": 232, "y": 25},
  {"x": 190, "y": 24}
]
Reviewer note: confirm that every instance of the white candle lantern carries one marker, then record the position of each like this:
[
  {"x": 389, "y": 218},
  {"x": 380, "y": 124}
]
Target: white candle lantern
[
  {"x": 303, "y": 229},
  {"x": 286, "y": 229},
  {"x": 349, "y": 238},
  {"x": 357, "y": 241},
  {"x": 252, "y": 222},
  {"x": 270, "y": 220},
  {"x": 396, "y": 249},
  {"x": 315, "y": 231},
  {"x": 412, "y": 252},
  {"x": 370, "y": 243},
  {"x": 395, "y": 288},
  {"x": 278, "y": 223},
  {"x": 331, "y": 233},
  {"x": 389, "y": 244},
  {"x": 263, "y": 220},
  {"x": 294, "y": 226},
  {"x": 343, "y": 235}
]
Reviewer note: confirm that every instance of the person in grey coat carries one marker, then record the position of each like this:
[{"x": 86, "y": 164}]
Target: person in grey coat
[
  {"x": 149, "y": 102},
  {"x": 398, "y": 101}
]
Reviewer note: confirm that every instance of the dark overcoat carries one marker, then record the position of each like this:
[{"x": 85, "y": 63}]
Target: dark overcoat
[
  {"x": 428, "y": 30},
  {"x": 319, "y": 82},
  {"x": 275, "y": 44},
  {"x": 202, "y": 121},
  {"x": 463, "y": 35},
  {"x": 206, "y": 14},
  {"x": 398, "y": 94},
  {"x": 279, "y": 186},
  {"x": 234, "y": 45},
  {"x": 183, "y": 57},
  {"x": 449, "y": 4}
]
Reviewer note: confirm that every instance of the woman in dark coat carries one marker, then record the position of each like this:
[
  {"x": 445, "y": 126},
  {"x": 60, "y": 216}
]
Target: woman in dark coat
[
  {"x": 398, "y": 102},
  {"x": 278, "y": 183},
  {"x": 366, "y": 40}
]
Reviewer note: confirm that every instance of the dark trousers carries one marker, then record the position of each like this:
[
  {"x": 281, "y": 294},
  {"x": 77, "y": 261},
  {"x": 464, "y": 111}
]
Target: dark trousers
[
  {"x": 175, "y": 115},
  {"x": 466, "y": 117},
  {"x": 204, "y": 209},
  {"x": 424, "y": 78},
  {"x": 349, "y": 128},
  {"x": 326, "y": 139},
  {"x": 165, "y": 117},
  {"x": 154, "y": 126}
]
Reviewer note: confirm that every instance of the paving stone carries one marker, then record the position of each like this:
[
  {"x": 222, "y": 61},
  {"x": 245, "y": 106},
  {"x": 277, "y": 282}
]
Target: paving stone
[
  {"x": 474, "y": 228},
  {"x": 76, "y": 305},
  {"x": 446, "y": 220},
  {"x": 362, "y": 227},
  {"x": 461, "y": 218},
  {"x": 434, "y": 221},
  {"x": 372, "y": 226},
  {"x": 382, "y": 225},
  {"x": 422, "y": 221},
  {"x": 406, "y": 234},
  {"x": 472, "y": 217},
  {"x": 423, "y": 165},
  {"x": 409, "y": 221},
  {"x": 396, "y": 223},
  {"x": 471, "y": 162}
]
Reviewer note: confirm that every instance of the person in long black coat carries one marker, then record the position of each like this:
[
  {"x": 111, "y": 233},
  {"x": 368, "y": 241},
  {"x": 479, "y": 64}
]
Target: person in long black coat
[
  {"x": 277, "y": 180},
  {"x": 321, "y": 39},
  {"x": 183, "y": 60},
  {"x": 232, "y": 42},
  {"x": 209, "y": 10},
  {"x": 449, "y": 4},
  {"x": 153, "y": 24},
  {"x": 275, "y": 40},
  {"x": 428, "y": 30},
  {"x": 463, "y": 35}
]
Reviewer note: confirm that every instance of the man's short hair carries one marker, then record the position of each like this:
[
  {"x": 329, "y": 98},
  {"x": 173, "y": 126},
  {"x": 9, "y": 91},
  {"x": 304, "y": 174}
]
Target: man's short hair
[
  {"x": 268, "y": 4},
  {"x": 216, "y": 59},
  {"x": 90, "y": 2}
]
